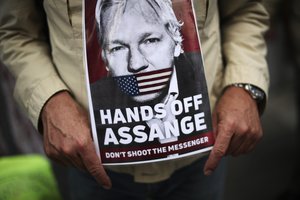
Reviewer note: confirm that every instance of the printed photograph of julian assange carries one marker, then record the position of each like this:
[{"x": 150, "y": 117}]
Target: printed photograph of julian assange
[{"x": 151, "y": 77}]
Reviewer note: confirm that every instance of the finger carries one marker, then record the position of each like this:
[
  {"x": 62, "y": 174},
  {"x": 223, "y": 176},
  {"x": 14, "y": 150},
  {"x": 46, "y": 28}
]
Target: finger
[
  {"x": 218, "y": 151},
  {"x": 252, "y": 146},
  {"x": 76, "y": 161},
  {"x": 94, "y": 166},
  {"x": 69, "y": 151},
  {"x": 65, "y": 156},
  {"x": 236, "y": 142},
  {"x": 249, "y": 144},
  {"x": 54, "y": 155},
  {"x": 61, "y": 162}
]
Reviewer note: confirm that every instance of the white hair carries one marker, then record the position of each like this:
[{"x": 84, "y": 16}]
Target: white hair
[{"x": 162, "y": 9}]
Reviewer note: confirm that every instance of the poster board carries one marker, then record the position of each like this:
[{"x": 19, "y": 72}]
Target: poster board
[{"x": 146, "y": 82}]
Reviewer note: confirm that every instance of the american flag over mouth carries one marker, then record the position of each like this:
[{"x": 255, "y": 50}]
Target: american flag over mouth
[{"x": 144, "y": 83}]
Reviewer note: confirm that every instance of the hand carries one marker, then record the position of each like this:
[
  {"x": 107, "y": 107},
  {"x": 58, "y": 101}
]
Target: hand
[
  {"x": 67, "y": 136},
  {"x": 237, "y": 126}
]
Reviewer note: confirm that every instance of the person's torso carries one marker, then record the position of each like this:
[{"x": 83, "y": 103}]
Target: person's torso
[{"x": 65, "y": 29}]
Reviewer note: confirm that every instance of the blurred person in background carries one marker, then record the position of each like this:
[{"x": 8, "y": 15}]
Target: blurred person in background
[
  {"x": 17, "y": 134},
  {"x": 289, "y": 13},
  {"x": 25, "y": 172}
]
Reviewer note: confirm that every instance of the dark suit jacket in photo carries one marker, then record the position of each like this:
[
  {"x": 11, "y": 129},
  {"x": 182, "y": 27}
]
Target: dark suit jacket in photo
[{"x": 191, "y": 81}]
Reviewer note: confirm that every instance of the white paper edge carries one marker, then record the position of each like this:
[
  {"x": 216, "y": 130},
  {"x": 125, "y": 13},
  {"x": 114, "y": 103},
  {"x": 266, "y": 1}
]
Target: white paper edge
[{"x": 90, "y": 103}]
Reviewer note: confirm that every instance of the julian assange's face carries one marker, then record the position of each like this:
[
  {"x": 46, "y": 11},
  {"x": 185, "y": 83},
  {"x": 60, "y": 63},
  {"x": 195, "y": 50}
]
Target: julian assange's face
[{"x": 136, "y": 45}]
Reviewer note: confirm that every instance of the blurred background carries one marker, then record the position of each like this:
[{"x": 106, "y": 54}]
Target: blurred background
[{"x": 270, "y": 172}]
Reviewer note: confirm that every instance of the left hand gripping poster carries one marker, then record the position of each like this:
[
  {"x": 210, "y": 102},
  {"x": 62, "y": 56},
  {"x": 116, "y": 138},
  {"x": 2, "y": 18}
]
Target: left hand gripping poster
[{"x": 146, "y": 83}]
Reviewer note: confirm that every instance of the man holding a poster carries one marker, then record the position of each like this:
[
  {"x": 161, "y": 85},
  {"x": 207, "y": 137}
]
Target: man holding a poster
[{"x": 41, "y": 43}]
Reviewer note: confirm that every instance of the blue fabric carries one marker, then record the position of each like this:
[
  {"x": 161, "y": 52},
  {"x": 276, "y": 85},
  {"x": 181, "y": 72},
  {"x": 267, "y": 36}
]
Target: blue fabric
[{"x": 188, "y": 183}]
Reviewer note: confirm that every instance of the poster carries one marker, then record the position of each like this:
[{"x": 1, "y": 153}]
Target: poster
[{"x": 146, "y": 82}]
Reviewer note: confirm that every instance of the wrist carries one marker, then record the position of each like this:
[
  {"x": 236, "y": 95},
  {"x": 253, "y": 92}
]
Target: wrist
[
  {"x": 257, "y": 94},
  {"x": 48, "y": 107}
]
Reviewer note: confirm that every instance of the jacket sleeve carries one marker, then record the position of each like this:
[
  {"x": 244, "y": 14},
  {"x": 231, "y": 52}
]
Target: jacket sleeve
[
  {"x": 243, "y": 25},
  {"x": 25, "y": 50}
]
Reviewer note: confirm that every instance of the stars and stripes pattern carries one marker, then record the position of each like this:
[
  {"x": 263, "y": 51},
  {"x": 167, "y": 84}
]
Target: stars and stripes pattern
[{"x": 144, "y": 83}]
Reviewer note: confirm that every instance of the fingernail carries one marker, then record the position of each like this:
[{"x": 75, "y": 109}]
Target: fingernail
[
  {"x": 107, "y": 187},
  {"x": 208, "y": 172}
]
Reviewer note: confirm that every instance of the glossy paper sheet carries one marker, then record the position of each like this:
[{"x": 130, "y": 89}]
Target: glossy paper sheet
[{"x": 148, "y": 94}]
